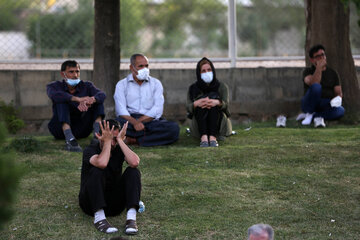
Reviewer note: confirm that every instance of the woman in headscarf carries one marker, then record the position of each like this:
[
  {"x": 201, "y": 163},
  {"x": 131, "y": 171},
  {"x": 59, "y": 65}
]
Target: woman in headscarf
[{"x": 207, "y": 106}]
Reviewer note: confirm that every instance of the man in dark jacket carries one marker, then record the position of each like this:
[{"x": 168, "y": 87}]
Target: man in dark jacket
[{"x": 77, "y": 106}]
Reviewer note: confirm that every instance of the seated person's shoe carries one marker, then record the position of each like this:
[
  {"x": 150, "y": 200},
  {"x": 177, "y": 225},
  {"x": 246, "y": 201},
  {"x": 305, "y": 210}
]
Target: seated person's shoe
[
  {"x": 319, "y": 122},
  {"x": 301, "y": 116},
  {"x": 105, "y": 227},
  {"x": 72, "y": 146},
  {"x": 213, "y": 143},
  {"x": 131, "y": 227},
  {"x": 308, "y": 119},
  {"x": 204, "y": 144}
]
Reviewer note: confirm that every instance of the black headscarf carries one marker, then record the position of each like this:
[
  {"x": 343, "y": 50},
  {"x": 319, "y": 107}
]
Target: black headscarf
[{"x": 202, "y": 87}]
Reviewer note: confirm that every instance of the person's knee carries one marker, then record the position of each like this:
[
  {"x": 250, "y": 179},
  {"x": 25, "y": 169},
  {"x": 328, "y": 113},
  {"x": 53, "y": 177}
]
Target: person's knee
[
  {"x": 96, "y": 173},
  {"x": 132, "y": 172},
  {"x": 340, "y": 112},
  {"x": 315, "y": 88}
]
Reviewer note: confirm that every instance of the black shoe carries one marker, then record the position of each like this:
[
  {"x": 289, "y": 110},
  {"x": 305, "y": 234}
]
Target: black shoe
[{"x": 73, "y": 146}]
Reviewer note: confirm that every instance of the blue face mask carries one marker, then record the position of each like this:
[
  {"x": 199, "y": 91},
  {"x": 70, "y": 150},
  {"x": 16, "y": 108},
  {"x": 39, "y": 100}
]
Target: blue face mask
[{"x": 72, "y": 82}]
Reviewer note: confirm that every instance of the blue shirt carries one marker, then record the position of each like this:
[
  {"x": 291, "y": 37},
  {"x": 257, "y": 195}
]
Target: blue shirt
[
  {"x": 146, "y": 99},
  {"x": 58, "y": 92}
]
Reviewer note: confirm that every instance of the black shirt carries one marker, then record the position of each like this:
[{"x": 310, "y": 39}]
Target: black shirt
[
  {"x": 329, "y": 79},
  {"x": 113, "y": 170}
]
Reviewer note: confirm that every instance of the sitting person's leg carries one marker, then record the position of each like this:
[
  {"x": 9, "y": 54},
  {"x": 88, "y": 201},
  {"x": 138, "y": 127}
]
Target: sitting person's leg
[
  {"x": 327, "y": 112},
  {"x": 61, "y": 115},
  {"x": 86, "y": 122},
  {"x": 213, "y": 126},
  {"x": 201, "y": 116},
  {"x": 310, "y": 101},
  {"x": 92, "y": 200},
  {"x": 159, "y": 132},
  {"x": 127, "y": 196},
  {"x": 60, "y": 126}
]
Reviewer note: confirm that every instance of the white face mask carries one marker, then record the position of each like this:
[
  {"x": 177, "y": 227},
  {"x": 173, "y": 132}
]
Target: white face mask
[
  {"x": 207, "y": 77},
  {"x": 143, "y": 74}
]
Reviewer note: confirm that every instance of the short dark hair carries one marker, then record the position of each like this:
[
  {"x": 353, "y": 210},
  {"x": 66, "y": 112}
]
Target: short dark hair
[
  {"x": 134, "y": 56},
  {"x": 113, "y": 122},
  {"x": 314, "y": 49},
  {"x": 69, "y": 63}
]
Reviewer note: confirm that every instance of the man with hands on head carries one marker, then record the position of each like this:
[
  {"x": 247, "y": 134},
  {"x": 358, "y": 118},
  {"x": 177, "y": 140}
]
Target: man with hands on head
[
  {"x": 323, "y": 94},
  {"x": 105, "y": 190},
  {"x": 77, "y": 106}
]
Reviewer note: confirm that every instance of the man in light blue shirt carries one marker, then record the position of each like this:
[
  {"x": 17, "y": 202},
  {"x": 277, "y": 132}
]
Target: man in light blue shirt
[{"x": 139, "y": 100}]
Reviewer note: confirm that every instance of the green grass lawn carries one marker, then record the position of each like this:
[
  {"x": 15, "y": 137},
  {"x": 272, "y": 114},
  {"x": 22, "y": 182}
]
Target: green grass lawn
[{"x": 305, "y": 182}]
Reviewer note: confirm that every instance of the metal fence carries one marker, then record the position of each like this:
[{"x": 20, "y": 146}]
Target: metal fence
[{"x": 53, "y": 29}]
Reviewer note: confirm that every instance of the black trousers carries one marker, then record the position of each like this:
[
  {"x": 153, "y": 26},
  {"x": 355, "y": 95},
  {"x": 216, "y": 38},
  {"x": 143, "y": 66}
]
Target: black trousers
[
  {"x": 81, "y": 123},
  {"x": 208, "y": 120},
  {"x": 98, "y": 193}
]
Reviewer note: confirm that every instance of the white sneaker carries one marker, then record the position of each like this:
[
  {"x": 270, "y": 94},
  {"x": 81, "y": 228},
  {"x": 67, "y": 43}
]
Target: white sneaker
[
  {"x": 308, "y": 119},
  {"x": 301, "y": 116},
  {"x": 281, "y": 121},
  {"x": 319, "y": 122}
]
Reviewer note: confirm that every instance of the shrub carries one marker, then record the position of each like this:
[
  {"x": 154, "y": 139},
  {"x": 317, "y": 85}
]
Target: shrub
[
  {"x": 9, "y": 178},
  {"x": 25, "y": 144},
  {"x": 10, "y": 115}
]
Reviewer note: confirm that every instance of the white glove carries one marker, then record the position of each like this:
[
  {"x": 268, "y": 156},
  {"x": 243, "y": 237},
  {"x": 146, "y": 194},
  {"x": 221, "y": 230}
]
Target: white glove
[{"x": 336, "y": 101}]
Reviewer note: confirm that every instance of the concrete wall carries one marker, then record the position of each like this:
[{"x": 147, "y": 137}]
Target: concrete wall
[{"x": 258, "y": 93}]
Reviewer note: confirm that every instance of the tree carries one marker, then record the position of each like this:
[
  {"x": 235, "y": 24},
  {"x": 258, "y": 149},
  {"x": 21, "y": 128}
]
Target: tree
[
  {"x": 11, "y": 14},
  {"x": 327, "y": 22},
  {"x": 107, "y": 49}
]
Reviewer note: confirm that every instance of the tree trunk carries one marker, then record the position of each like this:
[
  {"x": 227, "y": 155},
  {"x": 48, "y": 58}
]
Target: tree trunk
[
  {"x": 327, "y": 23},
  {"x": 107, "y": 50}
]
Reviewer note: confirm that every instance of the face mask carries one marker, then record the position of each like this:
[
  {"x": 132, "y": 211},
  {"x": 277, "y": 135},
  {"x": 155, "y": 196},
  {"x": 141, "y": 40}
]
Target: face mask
[
  {"x": 207, "y": 77},
  {"x": 72, "y": 82},
  {"x": 143, "y": 74}
]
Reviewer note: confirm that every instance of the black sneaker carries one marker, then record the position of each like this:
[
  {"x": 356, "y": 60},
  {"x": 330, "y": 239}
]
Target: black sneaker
[{"x": 72, "y": 146}]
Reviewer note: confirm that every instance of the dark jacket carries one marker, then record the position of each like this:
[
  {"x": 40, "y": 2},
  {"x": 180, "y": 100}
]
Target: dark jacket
[{"x": 219, "y": 90}]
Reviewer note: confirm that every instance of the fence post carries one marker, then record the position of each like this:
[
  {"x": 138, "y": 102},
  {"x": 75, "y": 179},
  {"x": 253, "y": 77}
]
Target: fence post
[{"x": 232, "y": 32}]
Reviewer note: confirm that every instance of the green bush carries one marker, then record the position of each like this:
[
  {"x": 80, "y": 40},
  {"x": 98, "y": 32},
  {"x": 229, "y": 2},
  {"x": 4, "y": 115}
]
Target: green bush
[
  {"x": 9, "y": 179},
  {"x": 10, "y": 115},
  {"x": 25, "y": 144}
]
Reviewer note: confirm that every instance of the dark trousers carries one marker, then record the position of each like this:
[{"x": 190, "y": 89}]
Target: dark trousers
[
  {"x": 313, "y": 103},
  {"x": 208, "y": 120},
  {"x": 81, "y": 123},
  {"x": 156, "y": 133},
  {"x": 113, "y": 198}
]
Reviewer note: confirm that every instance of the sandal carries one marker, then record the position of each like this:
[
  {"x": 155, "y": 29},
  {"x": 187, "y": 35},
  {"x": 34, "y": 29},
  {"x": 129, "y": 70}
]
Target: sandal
[
  {"x": 204, "y": 144},
  {"x": 131, "y": 227},
  {"x": 105, "y": 227},
  {"x": 213, "y": 143}
]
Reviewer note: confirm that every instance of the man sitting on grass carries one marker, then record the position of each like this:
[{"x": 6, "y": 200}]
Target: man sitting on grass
[
  {"x": 104, "y": 189},
  {"x": 323, "y": 94}
]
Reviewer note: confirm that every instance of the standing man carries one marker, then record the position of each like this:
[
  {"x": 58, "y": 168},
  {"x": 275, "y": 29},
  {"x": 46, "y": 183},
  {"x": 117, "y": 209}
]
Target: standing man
[
  {"x": 260, "y": 232},
  {"x": 323, "y": 94},
  {"x": 139, "y": 100},
  {"x": 105, "y": 190},
  {"x": 77, "y": 106}
]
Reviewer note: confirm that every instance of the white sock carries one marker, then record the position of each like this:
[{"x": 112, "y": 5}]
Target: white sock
[
  {"x": 99, "y": 215},
  {"x": 131, "y": 214}
]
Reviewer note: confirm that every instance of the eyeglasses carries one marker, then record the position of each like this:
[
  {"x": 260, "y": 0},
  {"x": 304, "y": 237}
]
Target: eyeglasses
[{"x": 319, "y": 56}]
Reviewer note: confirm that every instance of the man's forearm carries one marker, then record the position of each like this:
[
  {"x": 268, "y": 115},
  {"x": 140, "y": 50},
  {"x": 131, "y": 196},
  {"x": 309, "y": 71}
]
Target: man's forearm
[{"x": 145, "y": 118}]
